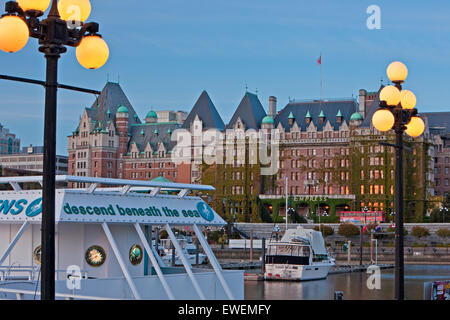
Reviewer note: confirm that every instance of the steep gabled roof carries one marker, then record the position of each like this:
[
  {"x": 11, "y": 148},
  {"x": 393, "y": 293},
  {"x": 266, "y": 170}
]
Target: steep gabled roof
[
  {"x": 111, "y": 98},
  {"x": 250, "y": 111},
  {"x": 207, "y": 112},
  {"x": 313, "y": 109}
]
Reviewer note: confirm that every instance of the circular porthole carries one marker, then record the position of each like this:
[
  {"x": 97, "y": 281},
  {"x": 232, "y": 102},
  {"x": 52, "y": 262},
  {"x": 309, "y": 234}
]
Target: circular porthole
[
  {"x": 37, "y": 255},
  {"x": 95, "y": 256},
  {"x": 135, "y": 254}
]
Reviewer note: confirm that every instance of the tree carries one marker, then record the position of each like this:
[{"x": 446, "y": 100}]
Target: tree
[
  {"x": 443, "y": 233},
  {"x": 420, "y": 232},
  {"x": 348, "y": 230}
]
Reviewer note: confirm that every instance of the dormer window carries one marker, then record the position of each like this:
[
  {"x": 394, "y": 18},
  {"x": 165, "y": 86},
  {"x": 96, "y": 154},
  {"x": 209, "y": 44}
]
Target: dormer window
[
  {"x": 339, "y": 117},
  {"x": 308, "y": 118},
  {"x": 321, "y": 117}
]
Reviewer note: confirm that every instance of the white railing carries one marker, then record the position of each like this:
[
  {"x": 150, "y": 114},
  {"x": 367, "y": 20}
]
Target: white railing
[
  {"x": 20, "y": 294},
  {"x": 14, "y": 272}
]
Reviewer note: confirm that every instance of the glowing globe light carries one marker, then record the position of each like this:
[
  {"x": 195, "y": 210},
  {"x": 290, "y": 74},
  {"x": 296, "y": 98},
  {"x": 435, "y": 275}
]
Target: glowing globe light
[
  {"x": 397, "y": 72},
  {"x": 415, "y": 127},
  {"x": 391, "y": 95},
  {"x": 74, "y": 10},
  {"x": 39, "y": 5},
  {"x": 383, "y": 120},
  {"x": 14, "y": 34},
  {"x": 93, "y": 52},
  {"x": 408, "y": 99}
]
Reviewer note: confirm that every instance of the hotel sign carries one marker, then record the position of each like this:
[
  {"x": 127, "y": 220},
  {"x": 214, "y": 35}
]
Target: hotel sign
[{"x": 74, "y": 206}]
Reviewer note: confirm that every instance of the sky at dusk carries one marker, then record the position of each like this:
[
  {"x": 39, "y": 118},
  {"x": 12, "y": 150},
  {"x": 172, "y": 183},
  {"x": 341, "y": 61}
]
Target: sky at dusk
[{"x": 167, "y": 52}]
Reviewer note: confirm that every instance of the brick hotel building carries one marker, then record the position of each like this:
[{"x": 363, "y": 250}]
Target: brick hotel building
[{"x": 329, "y": 152}]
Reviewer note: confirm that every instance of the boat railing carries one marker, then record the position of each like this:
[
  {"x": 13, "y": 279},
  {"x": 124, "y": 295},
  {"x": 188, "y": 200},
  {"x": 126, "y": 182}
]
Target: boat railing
[
  {"x": 20, "y": 294},
  {"x": 31, "y": 273},
  {"x": 18, "y": 272}
]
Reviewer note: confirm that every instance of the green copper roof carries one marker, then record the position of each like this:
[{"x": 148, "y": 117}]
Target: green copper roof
[
  {"x": 356, "y": 116},
  {"x": 268, "y": 120},
  {"x": 108, "y": 112},
  {"x": 308, "y": 115},
  {"x": 143, "y": 132},
  {"x": 122, "y": 109},
  {"x": 291, "y": 116},
  {"x": 151, "y": 114},
  {"x": 160, "y": 179},
  {"x": 321, "y": 115},
  {"x": 156, "y": 131},
  {"x": 169, "y": 131},
  {"x": 339, "y": 114}
]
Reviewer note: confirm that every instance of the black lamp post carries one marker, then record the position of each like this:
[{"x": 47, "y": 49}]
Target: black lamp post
[
  {"x": 54, "y": 34},
  {"x": 397, "y": 112},
  {"x": 444, "y": 211}
]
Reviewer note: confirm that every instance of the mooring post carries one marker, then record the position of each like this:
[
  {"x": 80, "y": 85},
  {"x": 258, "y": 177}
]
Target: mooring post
[
  {"x": 371, "y": 247},
  {"x": 172, "y": 246},
  {"x": 251, "y": 245},
  {"x": 263, "y": 256},
  {"x": 349, "y": 252}
]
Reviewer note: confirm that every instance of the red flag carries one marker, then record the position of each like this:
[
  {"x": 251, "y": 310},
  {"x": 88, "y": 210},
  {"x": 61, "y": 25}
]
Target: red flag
[{"x": 319, "y": 61}]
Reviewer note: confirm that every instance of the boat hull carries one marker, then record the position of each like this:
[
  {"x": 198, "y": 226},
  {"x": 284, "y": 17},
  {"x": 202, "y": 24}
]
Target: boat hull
[{"x": 297, "y": 272}]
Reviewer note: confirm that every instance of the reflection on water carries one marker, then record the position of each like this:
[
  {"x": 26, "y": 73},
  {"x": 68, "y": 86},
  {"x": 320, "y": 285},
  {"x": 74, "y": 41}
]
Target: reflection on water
[{"x": 352, "y": 284}]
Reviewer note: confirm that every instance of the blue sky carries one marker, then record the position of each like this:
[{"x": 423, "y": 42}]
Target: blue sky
[{"x": 168, "y": 52}]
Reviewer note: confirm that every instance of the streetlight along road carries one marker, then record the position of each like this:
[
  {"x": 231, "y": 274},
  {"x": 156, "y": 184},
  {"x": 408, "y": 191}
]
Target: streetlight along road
[
  {"x": 61, "y": 28},
  {"x": 397, "y": 111}
]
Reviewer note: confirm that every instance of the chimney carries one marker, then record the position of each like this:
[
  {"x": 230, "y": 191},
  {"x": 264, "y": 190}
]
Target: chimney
[
  {"x": 272, "y": 106},
  {"x": 362, "y": 102}
]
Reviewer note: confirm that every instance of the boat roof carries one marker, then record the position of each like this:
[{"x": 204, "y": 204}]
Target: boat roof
[{"x": 121, "y": 204}]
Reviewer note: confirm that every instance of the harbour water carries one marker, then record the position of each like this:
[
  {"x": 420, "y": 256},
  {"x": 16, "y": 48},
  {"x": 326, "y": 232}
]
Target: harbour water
[{"x": 354, "y": 285}]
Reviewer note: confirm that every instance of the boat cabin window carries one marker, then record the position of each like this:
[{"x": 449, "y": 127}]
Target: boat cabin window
[{"x": 289, "y": 250}]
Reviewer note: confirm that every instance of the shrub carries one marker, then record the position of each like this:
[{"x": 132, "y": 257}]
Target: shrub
[
  {"x": 420, "y": 232},
  {"x": 348, "y": 230},
  {"x": 443, "y": 233},
  {"x": 326, "y": 230},
  {"x": 214, "y": 236},
  {"x": 163, "y": 234}
]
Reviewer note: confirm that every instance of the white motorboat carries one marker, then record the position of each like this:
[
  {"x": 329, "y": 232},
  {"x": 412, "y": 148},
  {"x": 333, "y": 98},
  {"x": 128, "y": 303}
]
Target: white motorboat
[
  {"x": 102, "y": 242},
  {"x": 189, "y": 250},
  {"x": 299, "y": 255}
]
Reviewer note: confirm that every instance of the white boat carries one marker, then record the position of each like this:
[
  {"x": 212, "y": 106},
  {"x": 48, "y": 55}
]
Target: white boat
[
  {"x": 299, "y": 255},
  {"x": 102, "y": 247},
  {"x": 189, "y": 250}
]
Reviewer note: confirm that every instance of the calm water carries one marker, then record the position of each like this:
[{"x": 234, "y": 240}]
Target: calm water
[{"x": 352, "y": 284}]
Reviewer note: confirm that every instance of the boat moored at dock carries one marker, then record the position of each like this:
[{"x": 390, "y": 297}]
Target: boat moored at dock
[
  {"x": 299, "y": 255},
  {"x": 103, "y": 242}
]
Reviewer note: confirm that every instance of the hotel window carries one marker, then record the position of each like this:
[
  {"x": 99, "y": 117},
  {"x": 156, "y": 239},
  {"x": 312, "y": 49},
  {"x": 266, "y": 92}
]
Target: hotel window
[{"x": 362, "y": 189}]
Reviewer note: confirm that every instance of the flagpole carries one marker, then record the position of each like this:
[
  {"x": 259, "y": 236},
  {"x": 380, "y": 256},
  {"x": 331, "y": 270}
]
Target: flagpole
[{"x": 321, "y": 77}]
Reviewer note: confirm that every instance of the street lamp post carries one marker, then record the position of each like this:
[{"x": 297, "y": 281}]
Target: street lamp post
[
  {"x": 397, "y": 111},
  {"x": 54, "y": 33},
  {"x": 444, "y": 211},
  {"x": 365, "y": 210}
]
